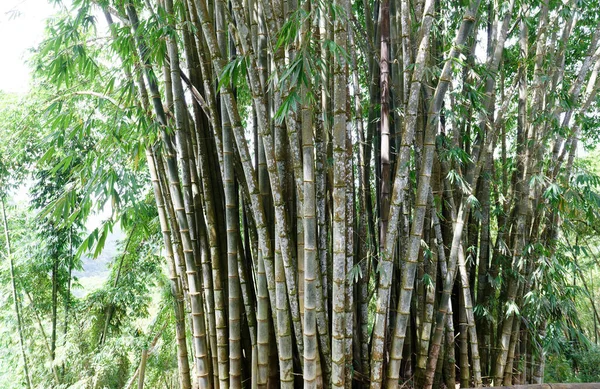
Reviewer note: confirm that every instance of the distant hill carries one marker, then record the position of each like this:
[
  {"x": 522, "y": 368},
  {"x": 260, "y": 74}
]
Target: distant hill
[{"x": 96, "y": 271}]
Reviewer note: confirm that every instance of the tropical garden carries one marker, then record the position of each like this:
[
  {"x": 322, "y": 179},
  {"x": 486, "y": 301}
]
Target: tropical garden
[{"x": 309, "y": 193}]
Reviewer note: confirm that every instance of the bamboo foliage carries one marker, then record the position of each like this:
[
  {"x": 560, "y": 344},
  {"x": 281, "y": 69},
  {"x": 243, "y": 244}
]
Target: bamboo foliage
[{"x": 346, "y": 188}]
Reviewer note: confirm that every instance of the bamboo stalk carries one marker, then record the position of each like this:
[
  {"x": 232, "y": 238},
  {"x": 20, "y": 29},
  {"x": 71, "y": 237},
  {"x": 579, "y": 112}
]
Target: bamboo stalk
[
  {"x": 180, "y": 335},
  {"x": 310, "y": 250},
  {"x": 338, "y": 297},
  {"x": 14, "y": 293}
]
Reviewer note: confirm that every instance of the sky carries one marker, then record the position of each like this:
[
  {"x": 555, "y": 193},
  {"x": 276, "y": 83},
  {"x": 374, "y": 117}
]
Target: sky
[{"x": 22, "y": 24}]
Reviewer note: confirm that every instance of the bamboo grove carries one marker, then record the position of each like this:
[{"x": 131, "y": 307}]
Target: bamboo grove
[{"x": 364, "y": 193}]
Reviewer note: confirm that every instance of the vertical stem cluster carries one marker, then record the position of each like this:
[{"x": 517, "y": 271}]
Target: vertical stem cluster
[{"x": 339, "y": 201}]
